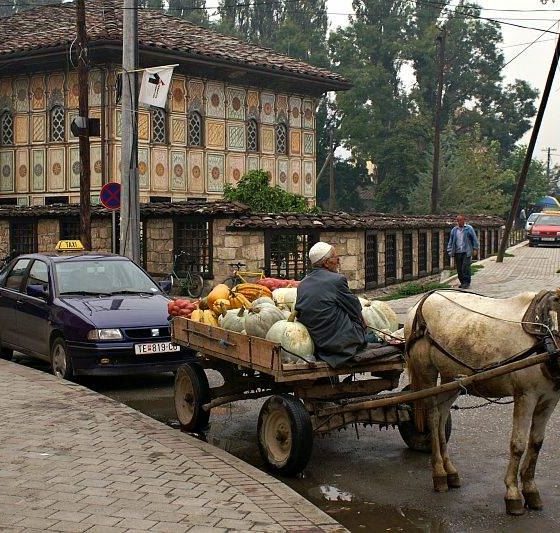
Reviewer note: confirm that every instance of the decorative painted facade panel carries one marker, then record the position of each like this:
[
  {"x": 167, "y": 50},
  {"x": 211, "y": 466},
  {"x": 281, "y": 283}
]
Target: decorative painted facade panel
[
  {"x": 308, "y": 114},
  {"x": 21, "y": 91},
  {"x": 117, "y": 165},
  {"x": 178, "y": 95},
  {"x": 38, "y": 99},
  {"x": 73, "y": 91},
  {"x": 143, "y": 168},
  {"x": 268, "y": 164},
  {"x": 22, "y": 170},
  {"x": 267, "y": 115},
  {"x": 56, "y": 170},
  {"x": 144, "y": 125},
  {"x": 235, "y": 168},
  {"x": 295, "y": 112},
  {"x": 309, "y": 178},
  {"x": 160, "y": 171},
  {"x": 38, "y": 128},
  {"x": 215, "y": 100},
  {"x": 195, "y": 95},
  {"x": 281, "y": 108},
  {"x": 96, "y": 165},
  {"x": 236, "y": 136},
  {"x": 178, "y": 130},
  {"x": 215, "y": 134},
  {"x": 70, "y": 116},
  {"x": 196, "y": 172},
  {"x": 282, "y": 173},
  {"x": 253, "y": 163},
  {"x": 38, "y": 166},
  {"x": 74, "y": 167},
  {"x": 178, "y": 170},
  {"x": 267, "y": 139},
  {"x": 295, "y": 142},
  {"x": 295, "y": 176},
  {"x": 253, "y": 105},
  {"x": 308, "y": 143},
  {"x": 95, "y": 87},
  {"x": 55, "y": 90},
  {"x": 236, "y": 103},
  {"x": 215, "y": 173},
  {"x": 21, "y": 133},
  {"x": 7, "y": 170}
]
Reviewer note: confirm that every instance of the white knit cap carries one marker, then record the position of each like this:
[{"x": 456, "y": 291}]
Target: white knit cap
[{"x": 319, "y": 251}]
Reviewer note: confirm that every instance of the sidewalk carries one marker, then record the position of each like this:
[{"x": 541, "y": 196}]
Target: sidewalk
[{"x": 74, "y": 460}]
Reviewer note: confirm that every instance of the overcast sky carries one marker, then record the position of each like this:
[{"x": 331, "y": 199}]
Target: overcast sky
[{"x": 532, "y": 65}]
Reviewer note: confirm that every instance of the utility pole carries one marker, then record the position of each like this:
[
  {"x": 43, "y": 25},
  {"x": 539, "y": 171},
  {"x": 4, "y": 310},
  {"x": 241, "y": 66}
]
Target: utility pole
[
  {"x": 83, "y": 84},
  {"x": 130, "y": 206},
  {"x": 548, "y": 150},
  {"x": 332, "y": 190},
  {"x": 529, "y": 155},
  {"x": 440, "y": 39}
]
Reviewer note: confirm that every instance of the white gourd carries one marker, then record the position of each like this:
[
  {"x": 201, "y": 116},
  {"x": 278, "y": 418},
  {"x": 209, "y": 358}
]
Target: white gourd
[
  {"x": 264, "y": 300},
  {"x": 363, "y": 300},
  {"x": 388, "y": 313},
  {"x": 374, "y": 318},
  {"x": 261, "y": 318},
  {"x": 293, "y": 337},
  {"x": 285, "y": 297},
  {"x": 233, "y": 320}
]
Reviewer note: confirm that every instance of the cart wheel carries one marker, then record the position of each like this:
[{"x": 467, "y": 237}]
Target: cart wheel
[
  {"x": 420, "y": 441},
  {"x": 191, "y": 393},
  {"x": 285, "y": 435}
]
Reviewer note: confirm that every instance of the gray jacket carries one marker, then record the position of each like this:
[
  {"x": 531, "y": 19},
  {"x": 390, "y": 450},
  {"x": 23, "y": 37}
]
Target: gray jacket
[{"x": 333, "y": 316}]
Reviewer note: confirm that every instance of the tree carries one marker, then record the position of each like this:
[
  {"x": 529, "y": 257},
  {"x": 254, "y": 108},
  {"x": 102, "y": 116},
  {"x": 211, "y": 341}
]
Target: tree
[
  {"x": 254, "y": 191},
  {"x": 193, "y": 10}
]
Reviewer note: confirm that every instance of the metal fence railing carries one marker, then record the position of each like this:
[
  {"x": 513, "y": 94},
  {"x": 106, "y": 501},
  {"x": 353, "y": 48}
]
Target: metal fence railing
[{"x": 516, "y": 236}]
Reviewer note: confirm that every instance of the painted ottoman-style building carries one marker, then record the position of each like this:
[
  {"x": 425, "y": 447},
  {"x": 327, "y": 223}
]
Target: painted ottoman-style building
[{"x": 232, "y": 107}]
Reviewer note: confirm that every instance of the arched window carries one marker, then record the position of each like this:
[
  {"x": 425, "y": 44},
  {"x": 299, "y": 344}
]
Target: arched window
[
  {"x": 195, "y": 129},
  {"x": 159, "y": 125},
  {"x": 252, "y": 136},
  {"x": 57, "y": 124},
  {"x": 6, "y": 129},
  {"x": 281, "y": 138}
]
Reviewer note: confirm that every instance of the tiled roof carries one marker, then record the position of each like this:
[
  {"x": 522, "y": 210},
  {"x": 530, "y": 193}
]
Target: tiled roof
[
  {"x": 55, "y": 25},
  {"x": 345, "y": 221},
  {"x": 217, "y": 209}
]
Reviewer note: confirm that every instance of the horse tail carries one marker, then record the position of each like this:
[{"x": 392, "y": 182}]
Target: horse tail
[{"x": 420, "y": 411}]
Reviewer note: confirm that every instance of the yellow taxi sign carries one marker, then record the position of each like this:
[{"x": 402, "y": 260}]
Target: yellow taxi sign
[{"x": 67, "y": 245}]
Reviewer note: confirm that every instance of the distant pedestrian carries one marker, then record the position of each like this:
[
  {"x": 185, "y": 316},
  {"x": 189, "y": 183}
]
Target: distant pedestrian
[
  {"x": 463, "y": 246},
  {"x": 522, "y": 218}
]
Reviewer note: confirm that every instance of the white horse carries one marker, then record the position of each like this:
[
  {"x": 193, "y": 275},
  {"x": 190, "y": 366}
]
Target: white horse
[{"x": 480, "y": 331}]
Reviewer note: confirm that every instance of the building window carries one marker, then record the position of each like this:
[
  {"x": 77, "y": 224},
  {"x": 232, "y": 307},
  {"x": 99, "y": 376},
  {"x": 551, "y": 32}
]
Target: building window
[
  {"x": 252, "y": 136},
  {"x": 435, "y": 251},
  {"x": 422, "y": 253},
  {"x": 8, "y": 201},
  {"x": 57, "y": 124},
  {"x": 194, "y": 236},
  {"x": 195, "y": 129},
  {"x": 281, "y": 139},
  {"x": 371, "y": 260},
  {"x": 160, "y": 199},
  {"x": 6, "y": 129},
  {"x": 23, "y": 236},
  {"x": 390, "y": 258},
  {"x": 69, "y": 229},
  {"x": 159, "y": 125},
  {"x": 407, "y": 256},
  {"x": 446, "y": 258},
  {"x": 286, "y": 253},
  {"x": 51, "y": 200}
]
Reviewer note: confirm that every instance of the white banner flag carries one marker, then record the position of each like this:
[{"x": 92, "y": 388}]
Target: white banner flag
[{"x": 155, "y": 86}]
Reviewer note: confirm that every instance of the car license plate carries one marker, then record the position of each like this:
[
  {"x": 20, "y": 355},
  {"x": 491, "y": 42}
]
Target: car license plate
[
  {"x": 548, "y": 239},
  {"x": 155, "y": 347}
]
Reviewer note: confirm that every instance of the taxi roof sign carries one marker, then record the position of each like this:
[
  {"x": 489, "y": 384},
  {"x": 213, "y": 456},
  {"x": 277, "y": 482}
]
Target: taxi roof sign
[{"x": 69, "y": 245}]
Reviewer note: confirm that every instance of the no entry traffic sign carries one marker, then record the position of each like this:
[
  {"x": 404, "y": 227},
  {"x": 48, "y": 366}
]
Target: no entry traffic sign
[{"x": 110, "y": 195}]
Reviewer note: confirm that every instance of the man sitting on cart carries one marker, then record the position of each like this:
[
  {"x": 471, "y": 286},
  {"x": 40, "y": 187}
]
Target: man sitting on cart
[{"x": 327, "y": 308}]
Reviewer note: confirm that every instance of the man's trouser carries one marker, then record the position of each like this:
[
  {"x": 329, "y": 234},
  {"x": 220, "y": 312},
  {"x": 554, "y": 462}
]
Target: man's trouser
[{"x": 463, "y": 266}]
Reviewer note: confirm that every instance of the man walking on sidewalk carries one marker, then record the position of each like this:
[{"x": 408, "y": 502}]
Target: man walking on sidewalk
[{"x": 463, "y": 246}]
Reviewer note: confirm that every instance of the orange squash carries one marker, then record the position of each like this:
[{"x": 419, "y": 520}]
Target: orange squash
[
  {"x": 238, "y": 300},
  {"x": 204, "y": 317},
  {"x": 252, "y": 291},
  {"x": 219, "y": 292}
]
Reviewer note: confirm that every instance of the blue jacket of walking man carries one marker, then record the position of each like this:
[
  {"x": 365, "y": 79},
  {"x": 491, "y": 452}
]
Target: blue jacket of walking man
[{"x": 463, "y": 246}]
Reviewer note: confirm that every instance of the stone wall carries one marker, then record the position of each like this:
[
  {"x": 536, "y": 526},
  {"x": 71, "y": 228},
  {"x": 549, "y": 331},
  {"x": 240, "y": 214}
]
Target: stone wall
[
  {"x": 48, "y": 231},
  {"x": 159, "y": 243},
  {"x": 350, "y": 248},
  {"x": 4, "y": 238}
]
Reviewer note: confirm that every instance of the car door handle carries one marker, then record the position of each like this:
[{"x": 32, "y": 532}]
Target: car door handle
[{"x": 19, "y": 302}]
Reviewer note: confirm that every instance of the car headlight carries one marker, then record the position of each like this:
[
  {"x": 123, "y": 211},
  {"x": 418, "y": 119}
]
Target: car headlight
[{"x": 105, "y": 335}]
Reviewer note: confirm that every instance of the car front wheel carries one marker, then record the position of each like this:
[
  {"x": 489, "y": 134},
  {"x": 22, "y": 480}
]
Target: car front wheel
[{"x": 61, "y": 365}]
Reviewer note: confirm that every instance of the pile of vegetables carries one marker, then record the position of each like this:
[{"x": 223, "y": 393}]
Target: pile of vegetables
[
  {"x": 380, "y": 318},
  {"x": 273, "y": 283}
]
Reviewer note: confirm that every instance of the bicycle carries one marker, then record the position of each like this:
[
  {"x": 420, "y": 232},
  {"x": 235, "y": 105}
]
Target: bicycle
[
  {"x": 6, "y": 259},
  {"x": 238, "y": 275},
  {"x": 192, "y": 283}
]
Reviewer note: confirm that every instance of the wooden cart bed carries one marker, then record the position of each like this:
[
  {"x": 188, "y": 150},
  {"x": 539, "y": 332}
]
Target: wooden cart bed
[{"x": 264, "y": 356}]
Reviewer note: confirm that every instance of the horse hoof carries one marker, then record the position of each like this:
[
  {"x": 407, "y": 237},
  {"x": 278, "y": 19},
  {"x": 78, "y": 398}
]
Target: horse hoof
[
  {"x": 440, "y": 483},
  {"x": 514, "y": 507},
  {"x": 533, "y": 501},
  {"x": 453, "y": 481}
]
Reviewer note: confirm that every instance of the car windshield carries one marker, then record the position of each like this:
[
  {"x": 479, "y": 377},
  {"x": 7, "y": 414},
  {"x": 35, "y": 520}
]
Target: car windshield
[
  {"x": 102, "y": 277},
  {"x": 533, "y": 217},
  {"x": 548, "y": 220}
]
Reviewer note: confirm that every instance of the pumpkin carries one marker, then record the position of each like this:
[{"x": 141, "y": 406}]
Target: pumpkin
[
  {"x": 237, "y": 300},
  {"x": 204, "y": 317},
  {"x": 252, "y": 291},
  {"x": 219, "y": 292},
  {"x": 233, "y": 320},
  {"x": 261, "y": 318},
  {"x": 390, "y": 316},
  {"x": 294, "y": 339},
  {"x": 264, "y": 300},
  {"x": 285, "y": 297},
  {"x": 363, "y": 300}
]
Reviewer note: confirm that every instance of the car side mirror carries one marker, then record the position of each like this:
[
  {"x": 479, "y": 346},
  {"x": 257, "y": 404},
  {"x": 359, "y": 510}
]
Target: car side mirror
[
  {"x": 165, "y": 285},
  {"x": 38, "y": 291}
]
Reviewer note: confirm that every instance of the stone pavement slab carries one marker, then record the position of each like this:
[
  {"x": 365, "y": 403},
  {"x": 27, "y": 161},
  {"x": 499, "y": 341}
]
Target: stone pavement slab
[{"x": 74, "y": 460}]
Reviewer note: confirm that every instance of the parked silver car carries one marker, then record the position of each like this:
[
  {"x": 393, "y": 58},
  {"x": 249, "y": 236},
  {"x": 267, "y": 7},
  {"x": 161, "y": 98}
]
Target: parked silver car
[{"x": 531, "y": 221}]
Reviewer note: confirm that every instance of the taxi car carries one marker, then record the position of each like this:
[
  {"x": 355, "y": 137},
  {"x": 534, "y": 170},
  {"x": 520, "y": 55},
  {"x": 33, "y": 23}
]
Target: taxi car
[
  {"x": 545, "y": 229},
  {"x": 86, "y": 313}
]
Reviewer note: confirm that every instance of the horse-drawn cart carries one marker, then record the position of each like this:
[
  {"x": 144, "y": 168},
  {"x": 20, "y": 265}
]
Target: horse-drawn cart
[{"x": 305, "y": 398}]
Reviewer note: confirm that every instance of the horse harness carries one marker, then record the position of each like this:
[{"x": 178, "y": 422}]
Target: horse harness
[{"x": 535, "y": 322}]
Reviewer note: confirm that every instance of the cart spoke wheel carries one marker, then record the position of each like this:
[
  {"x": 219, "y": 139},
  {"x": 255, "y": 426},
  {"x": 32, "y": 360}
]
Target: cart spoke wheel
[
  {"x": 285, "y": 435},
  {"x": 191, "y": 393}
]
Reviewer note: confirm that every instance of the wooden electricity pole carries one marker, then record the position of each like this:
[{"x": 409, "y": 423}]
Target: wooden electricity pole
[
  {"x": 529, "y": 155},
  {"x": 83, "y": 85},
  {"x": 437, "y": 123}
]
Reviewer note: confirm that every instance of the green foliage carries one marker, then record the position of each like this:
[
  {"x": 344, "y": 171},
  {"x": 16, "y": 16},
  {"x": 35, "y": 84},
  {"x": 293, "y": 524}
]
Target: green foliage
[
  {"x": 413, "y": 288},
  {"x": 193, "y": 10},
  {"x": 253, "y": 190}
]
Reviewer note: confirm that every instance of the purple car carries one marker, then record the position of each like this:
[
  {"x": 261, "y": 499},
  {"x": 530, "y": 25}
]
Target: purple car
[{"x": 86, "y": 314}]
